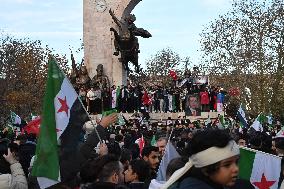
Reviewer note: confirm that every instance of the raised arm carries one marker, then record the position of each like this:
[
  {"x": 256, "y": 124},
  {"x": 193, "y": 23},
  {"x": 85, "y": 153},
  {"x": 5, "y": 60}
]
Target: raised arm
[
  {"x": 111, "y": 12},
  {"x": 74, "y": 67}
]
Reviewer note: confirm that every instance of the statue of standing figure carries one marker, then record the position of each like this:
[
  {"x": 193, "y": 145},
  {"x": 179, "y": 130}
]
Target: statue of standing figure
[
  {"x": 79, "y": 77},
  {"x": 126, "y": 41},
  {"x": 102, "y": 82}
]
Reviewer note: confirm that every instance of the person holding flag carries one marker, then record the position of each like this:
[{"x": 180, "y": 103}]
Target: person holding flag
[{"x": 57, "y": 157}]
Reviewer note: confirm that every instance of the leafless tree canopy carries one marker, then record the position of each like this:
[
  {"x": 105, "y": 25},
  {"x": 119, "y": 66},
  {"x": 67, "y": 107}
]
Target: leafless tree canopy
[{"x": 244, "y": 48}]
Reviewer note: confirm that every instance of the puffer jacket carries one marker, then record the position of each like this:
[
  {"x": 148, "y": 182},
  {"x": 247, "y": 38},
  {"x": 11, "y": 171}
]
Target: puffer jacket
[{"x": 15, "y": 180}]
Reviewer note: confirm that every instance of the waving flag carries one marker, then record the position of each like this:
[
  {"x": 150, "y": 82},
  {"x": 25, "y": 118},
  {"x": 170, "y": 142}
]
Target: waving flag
[
  {"x": 33, "y": 126},
  {"x": 170, "y": 153},
  {"x": 61, "y": 126},
  {"x": 259, "y": 121},
  {"x": 261, "y": 169},
  {"x": 242, "y": 117},
  {"x": 15, "y": 119}
]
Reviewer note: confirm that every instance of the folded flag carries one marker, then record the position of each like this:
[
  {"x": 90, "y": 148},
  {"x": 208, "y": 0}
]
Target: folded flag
[
  {"x": 61, "y": 127},
  {"x": 261, "y": 169}
]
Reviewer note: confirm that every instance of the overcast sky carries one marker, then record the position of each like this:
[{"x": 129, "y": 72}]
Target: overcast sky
[{"x": 59, "y": 23}]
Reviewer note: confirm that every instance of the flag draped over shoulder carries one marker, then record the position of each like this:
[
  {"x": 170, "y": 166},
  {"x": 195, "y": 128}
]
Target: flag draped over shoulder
[
  {"x": 261, "y": 169},
  {"x": 61, "y": 127}
]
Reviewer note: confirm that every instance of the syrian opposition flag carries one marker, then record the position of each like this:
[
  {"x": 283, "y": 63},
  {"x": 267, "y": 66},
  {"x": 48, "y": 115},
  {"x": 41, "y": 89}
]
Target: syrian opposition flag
[
  {"x": 257, "y": 124},
  {"x": 61, "y": 126},
  {"x": 242, "y": 117},
  {"x": 15, "y": 119},
  {"x": 261, "y": 169}
]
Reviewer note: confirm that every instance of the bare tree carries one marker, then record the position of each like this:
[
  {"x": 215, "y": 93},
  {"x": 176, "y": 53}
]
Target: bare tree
[
  {"x": 23, "y": 66},
  {"x": 244, "y": 48}
]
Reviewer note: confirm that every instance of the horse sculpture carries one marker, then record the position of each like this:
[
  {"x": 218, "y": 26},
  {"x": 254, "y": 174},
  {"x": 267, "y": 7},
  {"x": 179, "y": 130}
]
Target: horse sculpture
[{"x": 126, "y": 41}]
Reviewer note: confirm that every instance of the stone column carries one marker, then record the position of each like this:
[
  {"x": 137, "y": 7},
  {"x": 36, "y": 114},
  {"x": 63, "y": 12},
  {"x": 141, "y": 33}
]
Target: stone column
[{"x": 99, "y": 41}]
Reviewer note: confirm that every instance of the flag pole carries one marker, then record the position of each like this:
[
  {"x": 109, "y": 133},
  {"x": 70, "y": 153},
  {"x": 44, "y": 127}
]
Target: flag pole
[{"x": 100, "y": 139}]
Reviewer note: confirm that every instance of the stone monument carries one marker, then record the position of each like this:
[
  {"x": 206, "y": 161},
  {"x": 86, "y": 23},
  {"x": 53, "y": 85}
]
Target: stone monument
[{"x": 99, "y": 41}]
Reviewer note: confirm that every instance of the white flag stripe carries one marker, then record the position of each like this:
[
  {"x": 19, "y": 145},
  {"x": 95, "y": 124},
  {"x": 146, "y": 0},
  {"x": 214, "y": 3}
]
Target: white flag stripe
[
  {"x": 268, "y": 165},
  {"x": 62, "y": 119},
  {"x": 45, "y": 182},
  {"x": 257, "y": 125}
]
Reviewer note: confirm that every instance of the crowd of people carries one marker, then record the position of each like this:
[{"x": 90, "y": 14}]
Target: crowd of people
[
  {"x": 129, "y": 155},
  {"x": 132, "y": 98}
]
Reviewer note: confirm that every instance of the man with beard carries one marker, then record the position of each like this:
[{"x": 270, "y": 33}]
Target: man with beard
[
  {"x": 106, "y": 172},
  {"x": 150, "y": 154}
]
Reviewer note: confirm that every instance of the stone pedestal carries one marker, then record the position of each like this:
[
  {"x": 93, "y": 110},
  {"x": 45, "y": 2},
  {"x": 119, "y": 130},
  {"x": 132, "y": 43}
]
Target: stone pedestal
[{"x": 99, "y": 40}]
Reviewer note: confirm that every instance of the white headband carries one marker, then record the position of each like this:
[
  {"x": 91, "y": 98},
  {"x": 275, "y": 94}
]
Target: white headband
[
  {"x": 207, "y": 157},
  {"x": 214, "y": 154}
]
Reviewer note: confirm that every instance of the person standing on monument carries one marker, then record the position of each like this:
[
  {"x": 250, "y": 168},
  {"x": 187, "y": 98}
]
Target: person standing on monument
[
  {"x": 83, "y": 96},
  {"x": 97, "y": 100},
  {"x": 102, "y": 82},
  {"x": 91, "y": 100},
  {"x": 79, "y": 77}
]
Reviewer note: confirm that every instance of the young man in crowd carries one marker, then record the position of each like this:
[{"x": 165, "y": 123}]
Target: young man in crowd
[
  {"x": 150, "y": 154},
  {"x": 136, "y": 174},
  {"x": 106, "y": 172}
]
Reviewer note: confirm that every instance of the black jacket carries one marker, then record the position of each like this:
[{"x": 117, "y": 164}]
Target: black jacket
[
  {"x": 88, "y": 148},
  {"x": 105, "y": 185}
]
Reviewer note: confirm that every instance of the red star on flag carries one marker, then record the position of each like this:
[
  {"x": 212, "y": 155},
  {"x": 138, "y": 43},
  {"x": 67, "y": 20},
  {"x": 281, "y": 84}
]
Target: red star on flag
[
  {"x": 264, "y": 184},
  {"x": 64, "y": 107}
]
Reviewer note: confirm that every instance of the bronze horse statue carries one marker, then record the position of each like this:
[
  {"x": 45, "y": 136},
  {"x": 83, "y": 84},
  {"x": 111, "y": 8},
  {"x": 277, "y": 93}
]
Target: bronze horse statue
[{"x": 126, "y": 41}]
